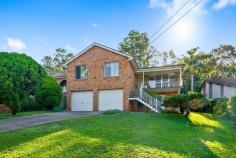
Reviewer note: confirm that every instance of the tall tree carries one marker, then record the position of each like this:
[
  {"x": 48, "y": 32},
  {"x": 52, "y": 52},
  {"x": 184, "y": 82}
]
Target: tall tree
[
  {"x": 166, "y": 58},
  {"x": 137, "y": 45},
  {"x": 54, "y": 63},
  {"x": 225, "y": 58},
  {"x": 20, "y": 75},
  {"x": 218, "y": 63},
  {"x": 193, "y": 64}
]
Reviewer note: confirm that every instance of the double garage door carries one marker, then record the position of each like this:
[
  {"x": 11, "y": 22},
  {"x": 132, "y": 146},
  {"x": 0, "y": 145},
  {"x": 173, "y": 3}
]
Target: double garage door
[{"x": 107, "y": 99}]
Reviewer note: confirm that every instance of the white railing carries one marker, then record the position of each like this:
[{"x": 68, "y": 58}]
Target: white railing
[
  {"x": 152, "y": 102},
  {"x": 164, "y": 84}
]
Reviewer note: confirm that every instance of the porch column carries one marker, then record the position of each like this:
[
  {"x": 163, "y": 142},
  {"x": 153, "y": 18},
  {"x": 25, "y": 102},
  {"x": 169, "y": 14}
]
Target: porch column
[
  {"x": 143, "y": 80},
  {"x": 180, "y": 78},
  {"x": 161, "y": 81},
  {"x": 142, "y": 84}
]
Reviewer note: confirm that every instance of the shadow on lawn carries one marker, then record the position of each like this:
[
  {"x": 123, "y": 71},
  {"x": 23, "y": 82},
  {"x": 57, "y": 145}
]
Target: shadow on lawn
[
  {"x": 12, "y": 140},
  {"x": 120, "y": 136}
]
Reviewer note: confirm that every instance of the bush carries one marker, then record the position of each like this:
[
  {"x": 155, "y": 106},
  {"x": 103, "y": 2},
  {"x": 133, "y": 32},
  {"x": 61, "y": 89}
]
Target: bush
[
  {"x": 29, "y": 104},
  {"x": 49, "y": 94},
  {"x": 19, "y": 77},
  {"x": 208, "y": 106},
  {"x": 185, "y": 102},
  {"x": 112, "y": 111},
  {"x": 221, "y": 106},
  {"x": 13, "y": 103},
  {"x": 233, "y": 104}
]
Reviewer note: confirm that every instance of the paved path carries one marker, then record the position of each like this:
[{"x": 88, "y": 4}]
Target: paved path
[{"x": 29, "y": 121}]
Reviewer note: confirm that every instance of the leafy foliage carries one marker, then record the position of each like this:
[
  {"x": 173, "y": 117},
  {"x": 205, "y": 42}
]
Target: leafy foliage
[
  {"x": 29, "y": 104},
  {"x": 185, "y": 102},
  {"x": 48, "y": 94},
  {"x": 54, "y": 63},
  {"x": 221, "y": 106},
  {"x": 137, "y": 45},
  {"x": 218, "y": 63},
  {"x": 233, "y": 104},
  {"x": 20, "y": 75},
  {"x": 165, "y": 58}
]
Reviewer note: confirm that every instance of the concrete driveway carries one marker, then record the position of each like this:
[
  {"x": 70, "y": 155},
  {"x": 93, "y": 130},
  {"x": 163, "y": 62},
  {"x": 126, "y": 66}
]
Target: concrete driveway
[{"x": 34, "y": 120}]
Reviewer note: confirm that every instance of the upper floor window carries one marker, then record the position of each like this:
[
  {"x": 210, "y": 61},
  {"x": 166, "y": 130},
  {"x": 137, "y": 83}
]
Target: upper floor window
[
  {"x": 111, "y": 69},
  {"x": 81, "y": 72}
]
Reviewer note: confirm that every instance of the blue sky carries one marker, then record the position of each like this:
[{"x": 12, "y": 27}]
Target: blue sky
[{"x": 38, "y": 27}]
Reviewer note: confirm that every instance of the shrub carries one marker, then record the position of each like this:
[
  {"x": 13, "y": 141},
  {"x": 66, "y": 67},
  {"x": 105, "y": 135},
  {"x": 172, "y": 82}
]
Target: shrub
[
  {"x": 29, "y": 104},
  {"x": 13, "y": 103},
  {"x": 185, "y": 102},
  {"x": 49, "y": 94},
  {"x": 221, "y": 106},
  {"x": 19, "y": 77},
  {"x": 112, "y": 111},
  {"x": 208, "y": 105},
  {"x": 233, "y": 104},
  {"x": 155, "y": 95}
]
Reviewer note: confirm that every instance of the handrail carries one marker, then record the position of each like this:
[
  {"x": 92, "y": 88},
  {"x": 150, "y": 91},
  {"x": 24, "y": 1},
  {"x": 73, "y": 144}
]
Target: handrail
[{"x": 154, "y": 102}]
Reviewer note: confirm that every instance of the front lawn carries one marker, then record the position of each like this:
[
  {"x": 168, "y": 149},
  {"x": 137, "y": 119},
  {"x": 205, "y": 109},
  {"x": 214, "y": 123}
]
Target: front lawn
[
  {"x": 124, "y": 135},
  {"x": 8, "y": 115}
]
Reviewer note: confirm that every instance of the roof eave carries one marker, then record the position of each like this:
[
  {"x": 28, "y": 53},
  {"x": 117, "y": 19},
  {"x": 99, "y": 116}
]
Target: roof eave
[{"x": 92, "y": 45}]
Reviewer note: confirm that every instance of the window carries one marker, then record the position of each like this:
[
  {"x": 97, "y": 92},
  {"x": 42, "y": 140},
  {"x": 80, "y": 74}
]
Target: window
[
  {"x": 81, "y": 72},
  {"x": 152, "y": 82},
  {"x": 111, "y": 69},
  {"x": 158, "y": 78},
  {"x": 172, "y": 80},
  {"x": 165, "y": 81}
]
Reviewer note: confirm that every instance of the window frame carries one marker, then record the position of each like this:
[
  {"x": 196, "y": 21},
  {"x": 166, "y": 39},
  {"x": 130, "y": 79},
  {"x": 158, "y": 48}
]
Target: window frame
[
  {"x": 104, "y": 69},
  {"x": 80, "y": 72}
]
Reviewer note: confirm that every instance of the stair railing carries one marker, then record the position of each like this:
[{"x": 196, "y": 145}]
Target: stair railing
[{"x": 154, "y": 102}]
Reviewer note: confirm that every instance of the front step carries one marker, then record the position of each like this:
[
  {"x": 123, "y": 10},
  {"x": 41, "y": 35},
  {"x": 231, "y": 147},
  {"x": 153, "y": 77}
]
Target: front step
[{"x": 151, "y": 102}]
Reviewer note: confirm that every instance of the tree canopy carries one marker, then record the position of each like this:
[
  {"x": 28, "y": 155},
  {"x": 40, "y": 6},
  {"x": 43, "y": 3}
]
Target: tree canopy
[
  {"x": 54, "y": 63},
  {"x": 20, "y": 75},
  {"x": 218, "y": 63},
  {"x": 48, "y": 94},
  {"x": 137, "y": 45}
]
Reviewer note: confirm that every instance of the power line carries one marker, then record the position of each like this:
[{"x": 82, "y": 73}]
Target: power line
[
  {"x": 170, "y": 18},
  {"x": 177, "y": 21}
]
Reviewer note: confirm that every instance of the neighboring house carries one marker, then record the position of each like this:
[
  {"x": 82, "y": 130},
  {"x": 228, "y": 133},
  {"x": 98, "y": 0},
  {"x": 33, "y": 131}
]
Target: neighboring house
[
  {"x": 219, "y": 88},
  {"x": 100, "y": 78}
]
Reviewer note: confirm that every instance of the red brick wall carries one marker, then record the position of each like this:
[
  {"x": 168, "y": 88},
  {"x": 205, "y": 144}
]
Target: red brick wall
[{"x": 95, "y": 58}]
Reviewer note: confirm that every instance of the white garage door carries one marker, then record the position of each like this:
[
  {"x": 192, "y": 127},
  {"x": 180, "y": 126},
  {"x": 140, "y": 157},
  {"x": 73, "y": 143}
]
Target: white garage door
[
  {"x": 110, "y": 99},
  {"x": 82, "y": 101}
]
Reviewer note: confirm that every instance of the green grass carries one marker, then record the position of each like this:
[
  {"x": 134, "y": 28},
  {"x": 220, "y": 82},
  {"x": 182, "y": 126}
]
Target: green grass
[
  {"x": 8, "y": 115},
  {"x": 124, "y": 135}
]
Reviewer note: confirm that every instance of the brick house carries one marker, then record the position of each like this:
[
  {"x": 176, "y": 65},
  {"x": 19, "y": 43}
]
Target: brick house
[{"x": 100, "y": 78}]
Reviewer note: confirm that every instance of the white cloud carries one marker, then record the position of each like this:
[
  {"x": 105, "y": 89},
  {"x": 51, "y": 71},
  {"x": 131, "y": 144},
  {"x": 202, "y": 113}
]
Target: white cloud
[
  {"x": 15, "y": 44},
  {"x": 170, "y": 7},
  {"x": 220, "y": 4}
]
